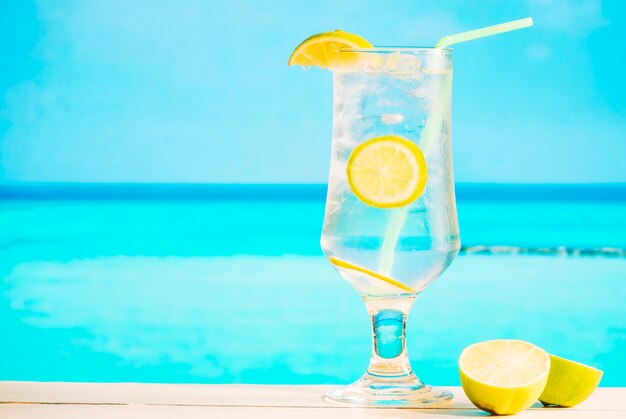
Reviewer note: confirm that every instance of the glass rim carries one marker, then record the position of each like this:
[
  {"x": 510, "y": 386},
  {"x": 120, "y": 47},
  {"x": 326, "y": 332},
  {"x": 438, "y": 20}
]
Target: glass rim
[{"x": 392, "y": 49}]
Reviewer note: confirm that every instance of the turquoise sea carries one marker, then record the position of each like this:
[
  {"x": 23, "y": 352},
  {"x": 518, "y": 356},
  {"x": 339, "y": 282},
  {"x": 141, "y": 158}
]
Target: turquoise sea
[{"x": 227, "y": 284}]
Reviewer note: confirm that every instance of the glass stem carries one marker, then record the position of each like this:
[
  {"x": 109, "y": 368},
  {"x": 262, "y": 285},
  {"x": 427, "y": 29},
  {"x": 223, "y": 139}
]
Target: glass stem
[{"x": 389, "y": 355}]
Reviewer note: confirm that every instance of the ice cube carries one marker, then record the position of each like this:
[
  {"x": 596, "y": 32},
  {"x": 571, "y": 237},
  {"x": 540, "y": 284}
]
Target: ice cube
[
  {"x": 419, "y": 92},
  {"x": 408, "y": 63},
  {"x": 391, "y": 118}
]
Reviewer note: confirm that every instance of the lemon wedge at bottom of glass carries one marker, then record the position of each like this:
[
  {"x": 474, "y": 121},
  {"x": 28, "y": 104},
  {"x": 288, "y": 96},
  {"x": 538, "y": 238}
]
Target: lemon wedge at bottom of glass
[
  {"x": 569, "y": 382},
  {"x": 503, "y": 377},
  {"x": 340, "y": 263}
]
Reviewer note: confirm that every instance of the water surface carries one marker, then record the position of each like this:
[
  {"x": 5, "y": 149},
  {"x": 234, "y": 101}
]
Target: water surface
[{"x": 234, "y": 289}]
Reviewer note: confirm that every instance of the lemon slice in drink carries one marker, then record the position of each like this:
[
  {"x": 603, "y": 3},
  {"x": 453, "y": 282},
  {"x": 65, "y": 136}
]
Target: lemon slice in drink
[
  {"x": 340, "y": 263},
  {"x": 569, "y": 382},
  {"x": 322, "y": 50},
  {"x": 387, "y": 172},
  {"x": 503, "y": 377}
]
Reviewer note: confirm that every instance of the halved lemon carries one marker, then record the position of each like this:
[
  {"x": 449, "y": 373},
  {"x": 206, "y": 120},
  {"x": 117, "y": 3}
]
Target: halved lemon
[
  {"x": 569, "y": 382},
  {"x": 503, "y": 376},
  {"x": 340, "y": 263},
  {"x": 387, "y": 172},
  {"x": 322, "y": 50}
]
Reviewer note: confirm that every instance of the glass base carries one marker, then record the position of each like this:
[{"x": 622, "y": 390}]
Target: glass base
[{"x": 405, "y": 391}]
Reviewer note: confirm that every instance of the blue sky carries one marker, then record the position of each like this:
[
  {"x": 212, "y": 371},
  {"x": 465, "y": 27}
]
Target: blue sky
[{"x": 199, "y": 91}]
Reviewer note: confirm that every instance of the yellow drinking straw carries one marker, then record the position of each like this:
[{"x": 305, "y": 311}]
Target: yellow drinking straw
[{"x": 448, "y": 40}]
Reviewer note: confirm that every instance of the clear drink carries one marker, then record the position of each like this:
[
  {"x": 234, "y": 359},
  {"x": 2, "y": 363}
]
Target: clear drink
[
  {"x": 390, "y": 254},
  {"x": 393, "y": 94}
]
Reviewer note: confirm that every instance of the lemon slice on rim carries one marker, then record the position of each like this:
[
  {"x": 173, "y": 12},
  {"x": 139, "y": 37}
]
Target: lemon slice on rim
[
  {"x": 387, "y": 172},
  {"x": 503, "y": 376},
  {"x": 322, "y": 50},
  {"x": 340, "y": 263}
]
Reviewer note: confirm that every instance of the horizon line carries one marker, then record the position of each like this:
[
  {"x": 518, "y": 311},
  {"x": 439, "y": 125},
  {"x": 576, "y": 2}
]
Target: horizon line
[{"x": 293, "y": 191}]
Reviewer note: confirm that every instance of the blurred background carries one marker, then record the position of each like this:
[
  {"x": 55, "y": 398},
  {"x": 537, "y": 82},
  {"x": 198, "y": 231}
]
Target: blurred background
[
  {"x": 162, "y": 186},
  {"x": 107, "y": 91}
]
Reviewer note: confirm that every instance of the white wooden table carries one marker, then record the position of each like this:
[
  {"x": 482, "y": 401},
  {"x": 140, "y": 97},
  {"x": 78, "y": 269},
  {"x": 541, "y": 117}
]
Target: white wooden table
[{"x": 126, "y": 400}]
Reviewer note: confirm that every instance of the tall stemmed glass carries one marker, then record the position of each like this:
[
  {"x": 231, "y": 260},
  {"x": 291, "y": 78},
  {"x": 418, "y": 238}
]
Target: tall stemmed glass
[{"x": 390, "y": 226}]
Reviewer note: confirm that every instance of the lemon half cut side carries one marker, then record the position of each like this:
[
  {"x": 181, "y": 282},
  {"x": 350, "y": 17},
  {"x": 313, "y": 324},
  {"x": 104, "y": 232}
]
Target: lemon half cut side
[{"x": 503, "y": 376}]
